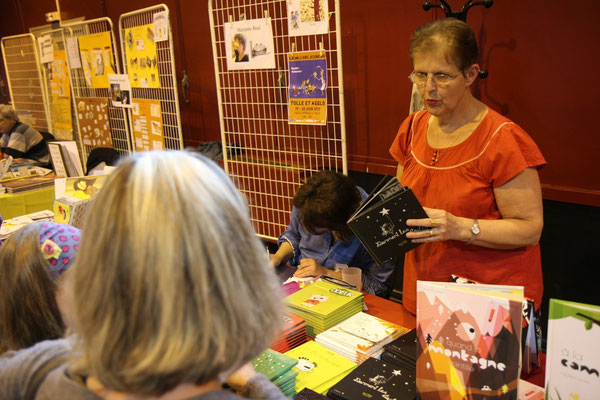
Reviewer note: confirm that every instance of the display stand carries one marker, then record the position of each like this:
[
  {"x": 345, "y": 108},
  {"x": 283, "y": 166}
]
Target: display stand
[
  {"x": 166, "y": 92},
  {"x": 24, "y": 75},
  {"x": 80, "y": 88},
  {"x": 267, "y": 157}
]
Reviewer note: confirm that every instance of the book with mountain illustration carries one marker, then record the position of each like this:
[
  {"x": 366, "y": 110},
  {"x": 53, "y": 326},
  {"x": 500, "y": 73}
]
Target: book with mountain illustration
[
  {"x": 380, "y": 221},
  {"x": 572, "y": 351},
  {"x": 468, "y": 340}
]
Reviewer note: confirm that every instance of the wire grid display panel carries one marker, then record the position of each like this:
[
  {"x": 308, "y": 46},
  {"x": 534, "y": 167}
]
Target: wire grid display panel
[
  {"x": 24, "y": 75},
  {"x": 117, "y": 116},
  {"x": 266, "y": 157},
  {"x": 58, "y": 43},
  {"x": 167, "y": 93}
]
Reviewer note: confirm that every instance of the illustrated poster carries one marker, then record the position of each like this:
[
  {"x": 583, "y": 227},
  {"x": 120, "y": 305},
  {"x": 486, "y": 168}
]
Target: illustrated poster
[
  {"x": 147, "y": 125},
  {"x": 46, "y": 49},
  {"x": 161, "y": 26},
  {"x": 59, "y": 78},
  {"x": 308, "y": 88},
  {"x": 73, "y": 52},
  {"x": 96, "y": 58},
  {"x": 141, "y": 57},
  {"x": 120, "y": 90},
  {"x": 307, "y": 17},
  {"x": 63, "y": 122},
  {"x": 249, "y": 44},
  {"x": 92, "y": 115}
]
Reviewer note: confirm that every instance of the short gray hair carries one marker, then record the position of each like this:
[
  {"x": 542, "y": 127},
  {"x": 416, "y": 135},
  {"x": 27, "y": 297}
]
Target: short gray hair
[
  {"x": 171, "y": 284},
  {"x": 8, "y": 112}
]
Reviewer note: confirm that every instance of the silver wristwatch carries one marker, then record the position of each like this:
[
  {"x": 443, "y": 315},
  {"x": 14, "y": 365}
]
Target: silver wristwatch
[{"x": 475, "y": 231}]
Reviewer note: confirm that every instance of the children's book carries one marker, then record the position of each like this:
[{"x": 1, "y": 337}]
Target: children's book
[
  {"x": 468, "y": 340},
  {"x": 294, "y": 334},
  {"x": 402, "y": 351},
  {"x": 65, "y": 158},
  {"x": 324, "y": 304},
  {"x": 360, "y": 336},
  {"x": 573, "y": 351},
  {"x": 530, "y": 348},
  {"x": 529, "y": 391},
  {"x": 278, "y": 369},
  {"x": 307, "y": 394},
  {"x": 376, "y": 380},
  {"x": 380, "y": 221},
  {"x": 318, "y": 367}
]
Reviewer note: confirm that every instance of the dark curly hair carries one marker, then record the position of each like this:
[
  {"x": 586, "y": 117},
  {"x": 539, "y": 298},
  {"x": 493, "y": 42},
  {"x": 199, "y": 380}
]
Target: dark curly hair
[{"x": 326, "y": 201}]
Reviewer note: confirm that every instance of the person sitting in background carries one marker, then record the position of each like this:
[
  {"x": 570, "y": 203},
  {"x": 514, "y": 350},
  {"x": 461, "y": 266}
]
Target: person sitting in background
[
  {"x": 33, "y": 265},
  {"x": 20, "y": 140},
  {"x": 318, "y": 236},
  {"x": 171, "y": 292}
]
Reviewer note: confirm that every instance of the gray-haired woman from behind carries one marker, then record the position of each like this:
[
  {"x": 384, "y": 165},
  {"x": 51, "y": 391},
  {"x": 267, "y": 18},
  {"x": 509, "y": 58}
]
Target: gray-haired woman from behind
[{"x": 171, "y": 293}]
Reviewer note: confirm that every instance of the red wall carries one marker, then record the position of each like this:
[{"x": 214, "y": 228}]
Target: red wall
[{"x": 541, "y": 56}]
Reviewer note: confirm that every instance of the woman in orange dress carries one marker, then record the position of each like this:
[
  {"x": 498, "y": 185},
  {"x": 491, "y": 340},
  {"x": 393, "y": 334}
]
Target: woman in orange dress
[{"x": 474, "y": 171}]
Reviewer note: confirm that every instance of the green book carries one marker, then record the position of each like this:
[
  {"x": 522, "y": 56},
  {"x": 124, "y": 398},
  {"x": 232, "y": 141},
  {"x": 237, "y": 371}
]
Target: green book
[
  {"x": 572, "y": 351},
  {"x": 273, "y": 364}
]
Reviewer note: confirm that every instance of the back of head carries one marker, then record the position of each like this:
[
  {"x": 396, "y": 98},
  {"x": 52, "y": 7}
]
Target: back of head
[
  {"x": 172, "y": 285},
  {"x": 8, "y": 112},
  {"x": 31, "y": 261},
  {"x": 451, "y": 34},
  {"x": 326, "y": 201}
]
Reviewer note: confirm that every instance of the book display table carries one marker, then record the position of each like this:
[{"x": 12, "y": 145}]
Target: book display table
[{"x": 13, "y": 205}]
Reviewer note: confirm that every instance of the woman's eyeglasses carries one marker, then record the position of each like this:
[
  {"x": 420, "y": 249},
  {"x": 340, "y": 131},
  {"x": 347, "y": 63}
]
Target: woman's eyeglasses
[
  {"x": 337, "y": 281},
  {"x": 440, "y": 79}
]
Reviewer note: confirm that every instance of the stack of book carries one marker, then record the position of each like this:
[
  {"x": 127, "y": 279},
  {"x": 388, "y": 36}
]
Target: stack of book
[
  {"x": 402, "y": 351},
  {"x": 318, "y": 367},
  {"x": 360, "y": 337},
  {"x": 323, "y": 305},
  {"x": 376, "y": 380},
  {"x": 278, "y": 368},
  {"x": 29, "y": 183},
  {"x": 294, "y": 334}
]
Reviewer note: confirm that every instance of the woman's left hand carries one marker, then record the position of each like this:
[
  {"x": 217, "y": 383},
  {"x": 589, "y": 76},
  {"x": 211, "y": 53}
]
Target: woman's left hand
[{"x": 441, "y": 226}]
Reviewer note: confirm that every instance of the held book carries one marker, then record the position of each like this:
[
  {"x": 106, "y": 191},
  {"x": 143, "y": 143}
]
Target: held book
[
  {"x": 380, "y": 221},
  {"x": 468, "y": 340},
  {"x": 572, "y": 351}
]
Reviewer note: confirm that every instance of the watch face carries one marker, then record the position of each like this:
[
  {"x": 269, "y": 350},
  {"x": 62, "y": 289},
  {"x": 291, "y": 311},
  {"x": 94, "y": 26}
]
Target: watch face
[{"x": 475, "y": 230}]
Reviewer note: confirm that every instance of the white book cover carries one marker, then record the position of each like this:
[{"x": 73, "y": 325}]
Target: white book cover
[{"x": 573, "y": 351}]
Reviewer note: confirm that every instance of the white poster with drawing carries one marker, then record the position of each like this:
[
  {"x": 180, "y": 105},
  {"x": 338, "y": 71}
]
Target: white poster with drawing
[
  {"x": 307, "y": 17},
  {"x": 249, "y": 44}
]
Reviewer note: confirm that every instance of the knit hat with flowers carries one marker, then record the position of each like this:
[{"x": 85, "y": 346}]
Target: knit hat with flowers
[{"x": 59, "y": 244}]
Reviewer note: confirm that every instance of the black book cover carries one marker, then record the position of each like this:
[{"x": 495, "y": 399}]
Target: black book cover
[
  {"x": 404, "y": 363},
  {"x": 380, "y": 222},
  {"x": 376, "y": 380},
  {"x": 404, "y": 346},
  {"x": 307, "y": 394}
]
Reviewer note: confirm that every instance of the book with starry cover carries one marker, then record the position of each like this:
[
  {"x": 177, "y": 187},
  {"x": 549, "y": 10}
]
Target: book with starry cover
[
  {"x": 376, "y": 380},
  {"x": 380, "y": 221},
  {"x": 468, "y": 340}
]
